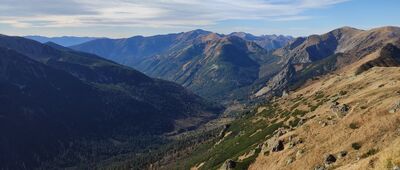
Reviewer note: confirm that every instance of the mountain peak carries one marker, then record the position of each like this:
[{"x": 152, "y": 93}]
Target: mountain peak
[
  {"x": 346, "y": 30},
  {"x": 243, "y": 35},
  {"x": 198, "y": 32}
]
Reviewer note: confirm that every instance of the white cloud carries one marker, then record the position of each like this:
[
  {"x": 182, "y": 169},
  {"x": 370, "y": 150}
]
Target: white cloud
[{"x": 150, "y": 13}]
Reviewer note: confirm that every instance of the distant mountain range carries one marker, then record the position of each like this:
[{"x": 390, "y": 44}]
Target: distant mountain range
[
  {"x": 213, "y": 65},
  {"x": 317, "y": 55},
  {"x": 64, "y": 40},
  {"x": 55, "y": 101},
  {"x": 241, "y": 66},
  {"x": 269, "y": 42}
]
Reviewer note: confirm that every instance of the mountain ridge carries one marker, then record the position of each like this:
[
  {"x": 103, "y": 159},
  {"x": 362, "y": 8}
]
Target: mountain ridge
[
  {"x": 333, "y": 50},
  {"x": 63, "y": 40},
  {"x": 201, "y": 49}
]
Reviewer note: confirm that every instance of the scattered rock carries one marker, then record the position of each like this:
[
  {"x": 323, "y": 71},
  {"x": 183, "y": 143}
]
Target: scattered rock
[
  {"x": 323, "y": 123},
  {"x": 284, "y": 93},
  {"x": 293, "y": 142},
  {"x": 301, "y": 122},
  {"x": 289, "y": 161},
  {"x": 265, "y": 147},
  {"x": 334, "y": 103},
  {"x": 291, "y": 138},
  {"x": 330, "y": 159},
  {"x": 319, "y": 167},
  {"x": 278, "y": 146},
  {"x": 340, "y": 110},
  {"x": 395, "y": 108},
  {"x": 342, "y": 154},
  {"x": 281, "y": 131},
  {"x": 299, "y": 153},
  {"x": 396, "y": 167}
]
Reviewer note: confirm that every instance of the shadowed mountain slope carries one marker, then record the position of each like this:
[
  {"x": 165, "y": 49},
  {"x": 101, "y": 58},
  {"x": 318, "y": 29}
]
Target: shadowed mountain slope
[{"x": 55, "y": 102}]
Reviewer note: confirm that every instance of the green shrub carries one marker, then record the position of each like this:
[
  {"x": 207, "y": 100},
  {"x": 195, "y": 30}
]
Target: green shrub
[
  {"x": 295, "y": 106},
  {"x": 313, "y": 108},
  {"x": 319, "y": 95},
  {"x": 369, "y": 153},
  {"x": 299, "y": 112}
]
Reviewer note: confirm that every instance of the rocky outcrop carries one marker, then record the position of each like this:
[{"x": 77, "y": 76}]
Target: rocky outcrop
[
  {"x": 228, "y": 165},
  {"x": 278, "y": 146},
  {"x": 340, "y": 109},
  {"x": 395, "y": 108}
]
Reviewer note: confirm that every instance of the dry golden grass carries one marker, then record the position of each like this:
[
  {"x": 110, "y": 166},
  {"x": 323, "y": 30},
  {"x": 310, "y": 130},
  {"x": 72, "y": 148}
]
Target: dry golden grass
[{"x": 370, "y": 95}]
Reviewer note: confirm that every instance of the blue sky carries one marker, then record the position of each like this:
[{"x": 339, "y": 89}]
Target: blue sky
[{"x": 125, "y": 18}]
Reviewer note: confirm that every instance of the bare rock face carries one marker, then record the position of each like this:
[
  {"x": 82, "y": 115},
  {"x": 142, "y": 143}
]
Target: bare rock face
[
  {"x": 395, "y": 108},
  {"x": 319, "y": 167}
]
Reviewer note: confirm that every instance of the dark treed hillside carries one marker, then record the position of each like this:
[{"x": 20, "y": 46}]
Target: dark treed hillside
[{"x": 55, "y": 102}]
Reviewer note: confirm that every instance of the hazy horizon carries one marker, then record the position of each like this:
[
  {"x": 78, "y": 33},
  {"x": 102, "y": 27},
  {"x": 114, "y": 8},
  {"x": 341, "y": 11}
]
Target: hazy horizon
[{"x": 127, "y": 18}]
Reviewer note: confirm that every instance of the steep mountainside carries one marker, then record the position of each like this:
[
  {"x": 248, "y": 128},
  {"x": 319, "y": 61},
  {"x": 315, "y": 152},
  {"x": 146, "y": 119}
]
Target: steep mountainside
[
  {"x": 214, "y": 67},
  {"x": 239, "y": 69},
  {"x": 269, "y": 42},
  {"x": 221, "y": 67},
  {"x": 316, "y": 55},
  {"x": 130, "y": 51},
  {"x": 62, "y": 108},
  {"x": 347, "y": 120},
  {"x": 64, "y": 41},
  {"x": 352, "y": 123}
]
